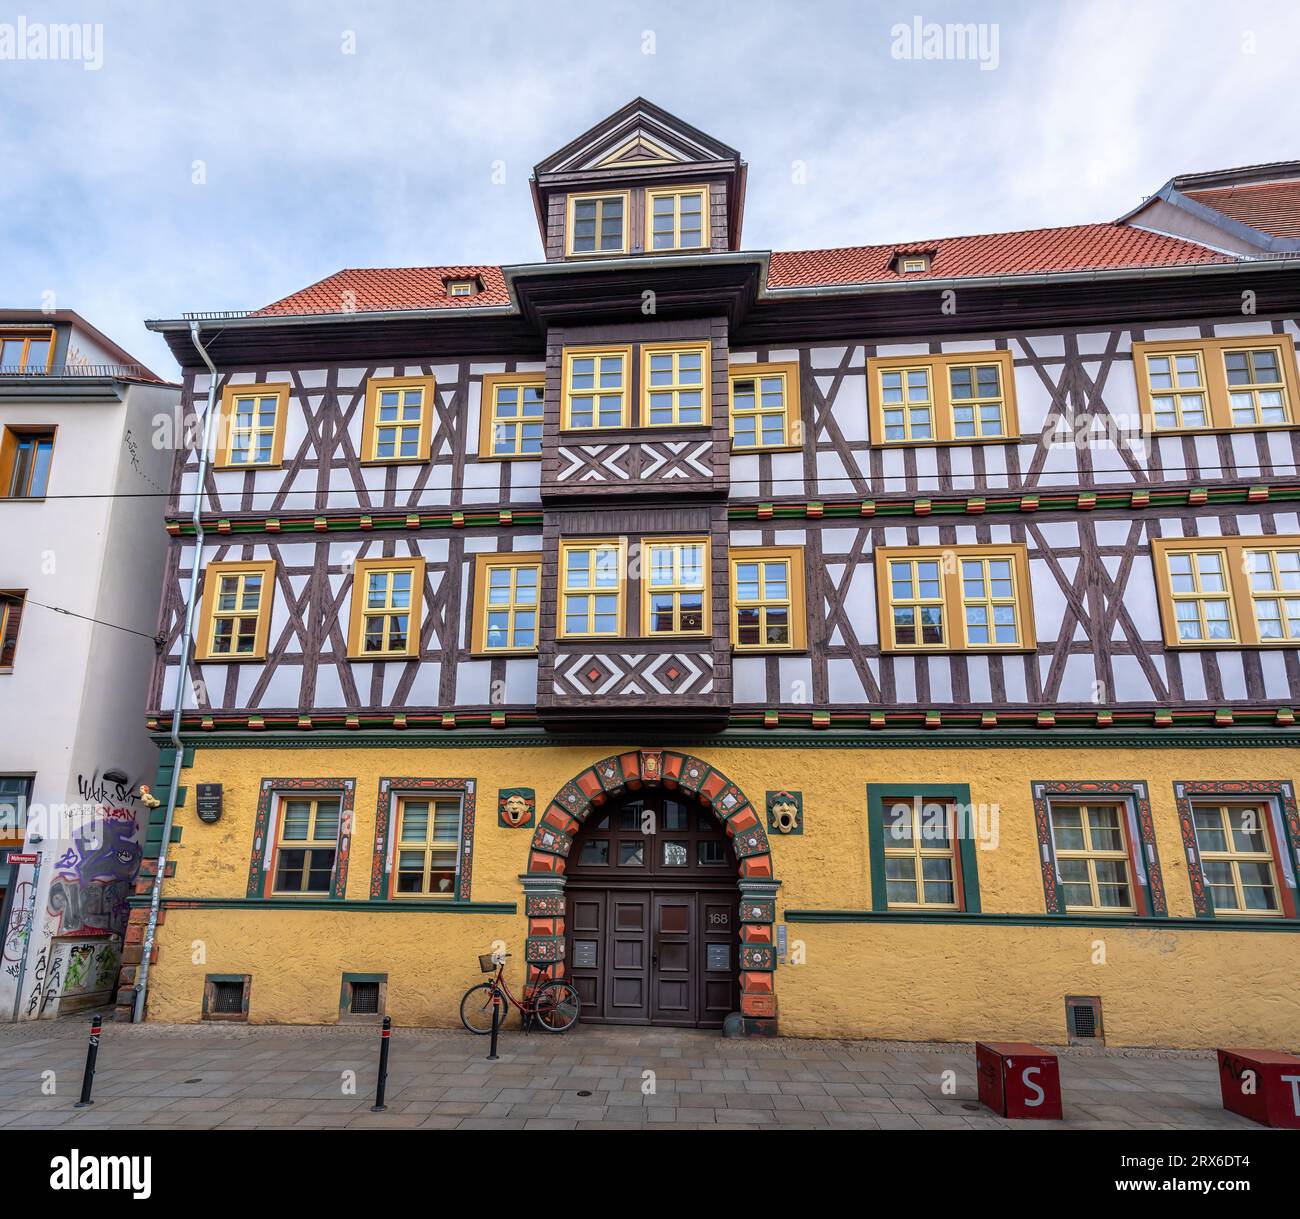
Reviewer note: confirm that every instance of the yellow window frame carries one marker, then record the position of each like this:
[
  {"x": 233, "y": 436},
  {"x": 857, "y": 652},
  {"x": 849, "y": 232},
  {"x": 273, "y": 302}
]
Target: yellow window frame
[
  {"x": 679, "y": 586},
  {"x": 490, "y": 421},
  {"x": 787, "y": 375},
  {"x": 27, "y": 337},
  {"x": 917, "y": 851},
  {"x": 373, "y": 423},
  {"x": 1212, "y": 354},
  {"x": 13, "y": 601},
  {"x": 362, "y": 570},
  {"x": 12, "y": 437},
  {"x": 231, "y": 396},
  {"x": 676, "y": 387},
  {"x": 571, "y": 214},
  {"x": 677, "y": 194},
  {"x": 597, "y": 391},
  {"x": 429, "y": 846},
  {"x": 952, "y": 597},
  {"x": 310, "y": 844},
  {"x": 513, "y": 563},
  {"x": 1235, "y": 857},
  {"x": 942, "y": 403},
  {"x": 793, "y": 603},
  {"x": 1235, "y": 553},
  {"x": 1093, "y": 855},
  {"x": 594, "y": 548},
  {"x": 214, "y": 575},
  {"x": 461, "y": 287}
]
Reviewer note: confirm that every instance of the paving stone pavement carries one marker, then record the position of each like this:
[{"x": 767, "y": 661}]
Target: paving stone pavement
[{"x": 207, "y": 1076}]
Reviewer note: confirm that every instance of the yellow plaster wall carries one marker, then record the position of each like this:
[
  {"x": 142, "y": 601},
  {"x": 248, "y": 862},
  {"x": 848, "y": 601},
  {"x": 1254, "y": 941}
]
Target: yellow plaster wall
[{"x": 889, "y": 980}]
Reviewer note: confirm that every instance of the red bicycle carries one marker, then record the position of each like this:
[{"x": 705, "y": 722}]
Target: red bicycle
[{"x": 554, "y": 1004}]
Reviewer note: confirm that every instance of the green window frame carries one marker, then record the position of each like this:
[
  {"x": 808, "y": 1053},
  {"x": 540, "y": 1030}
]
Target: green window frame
[{"x": 878, "y": 794}]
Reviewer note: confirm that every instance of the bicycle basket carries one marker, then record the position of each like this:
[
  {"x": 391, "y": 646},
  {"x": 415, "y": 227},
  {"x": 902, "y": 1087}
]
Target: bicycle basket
[{"x": 486, "y": 964}]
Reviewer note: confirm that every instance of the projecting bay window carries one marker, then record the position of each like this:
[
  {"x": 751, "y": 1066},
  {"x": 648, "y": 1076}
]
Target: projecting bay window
[
  {"x": 675, "y": 384},
  {"x": 767, "y": 599},
  {"x": 952, "y": 398},
  {"x": 235, "y": 614},
  {"x": 592, "y": 590},
  {"x": 1231, "y": 591},
  {"x": 1237, "y": 858},
  {"x": 26, "y": 454},
  {"x": 596, "y": 391},
  {"x": 1216, "y": 384},
  {"x": 398, "y": 420},
  {"x": 253, "y": 420},
  {"x": 675, "y": 587},
  {"x": 956, "y": 598},
  {"x": 512, "y": 407},
  {"x": 597, "y": 223},
  {"x": 505, "y": 603},
  {"x": 764, "y": 406},
  {"x": 387, "y": 596},
  {"x": 1092, "y": 858},
  {"x": 428, "y": 846},
  {"x": 306, "y": 845},
  {"x": 677, "y": 219}
]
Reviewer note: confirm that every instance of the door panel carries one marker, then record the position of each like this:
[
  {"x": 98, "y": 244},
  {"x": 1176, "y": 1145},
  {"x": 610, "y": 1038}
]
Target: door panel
[
  {"x": 627, "y": 992},
  {"x": 585, "y": 927},
  {"x": 719, "y": 936},
  {"x": 673, "y": 951}
]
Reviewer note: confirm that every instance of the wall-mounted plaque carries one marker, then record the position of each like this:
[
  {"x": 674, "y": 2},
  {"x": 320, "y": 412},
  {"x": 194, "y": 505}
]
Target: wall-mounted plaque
[{"x": 209, "y": 802}]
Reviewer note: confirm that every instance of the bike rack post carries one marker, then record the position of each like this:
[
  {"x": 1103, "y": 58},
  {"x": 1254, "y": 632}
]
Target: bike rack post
[
  {"x": 496, "y": 1025},
  {"x": 382, "y": 1082},
  {"x": 88, "y": 1079}
]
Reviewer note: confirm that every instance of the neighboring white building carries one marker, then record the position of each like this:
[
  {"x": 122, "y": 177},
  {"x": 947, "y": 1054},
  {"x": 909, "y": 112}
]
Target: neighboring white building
[{"x": 81, "y": 504}]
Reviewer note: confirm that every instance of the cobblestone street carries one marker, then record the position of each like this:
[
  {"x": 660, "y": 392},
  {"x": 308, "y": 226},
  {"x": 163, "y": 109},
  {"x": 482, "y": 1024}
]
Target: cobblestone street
[{"x": 207, "y": 1076}]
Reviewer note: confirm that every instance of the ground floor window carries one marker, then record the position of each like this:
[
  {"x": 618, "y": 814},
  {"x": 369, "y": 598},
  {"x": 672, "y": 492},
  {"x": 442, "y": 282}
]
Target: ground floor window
[
  {"x": 428, "y": 846},
  {"x": 922, "y": 842}
]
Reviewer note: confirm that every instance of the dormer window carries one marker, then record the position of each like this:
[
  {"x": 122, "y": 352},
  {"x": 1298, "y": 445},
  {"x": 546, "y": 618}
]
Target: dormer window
[
  {"x": 911, "y": 264},
  {"x": 677, "y": 219},
  {"x": 598, "y": 223},
  {"x": 26, "y": 351},
  {"x": 463, "y": 287}
]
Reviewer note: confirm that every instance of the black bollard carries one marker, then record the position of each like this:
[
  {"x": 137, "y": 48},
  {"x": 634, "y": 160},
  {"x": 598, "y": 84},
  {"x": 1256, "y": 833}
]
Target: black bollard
[
  {"x": 88, "y": 1079},
  {"x": 496, "y": 1025},
  {"x": 379, "y": 1106}
]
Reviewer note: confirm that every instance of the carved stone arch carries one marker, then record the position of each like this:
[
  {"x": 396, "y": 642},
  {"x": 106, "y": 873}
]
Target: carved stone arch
[{"x": 622, "y": 773}]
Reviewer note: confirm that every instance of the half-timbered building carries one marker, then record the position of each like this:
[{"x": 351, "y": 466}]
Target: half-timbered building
[{"x": 896, "y": 640}]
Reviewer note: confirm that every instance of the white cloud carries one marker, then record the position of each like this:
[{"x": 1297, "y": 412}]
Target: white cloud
[{"x": 316, "y": 159}]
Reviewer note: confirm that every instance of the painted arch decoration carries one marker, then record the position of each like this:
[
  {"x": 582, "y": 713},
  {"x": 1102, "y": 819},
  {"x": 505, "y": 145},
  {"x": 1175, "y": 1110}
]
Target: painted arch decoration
[{"x": 615, "y": 776}]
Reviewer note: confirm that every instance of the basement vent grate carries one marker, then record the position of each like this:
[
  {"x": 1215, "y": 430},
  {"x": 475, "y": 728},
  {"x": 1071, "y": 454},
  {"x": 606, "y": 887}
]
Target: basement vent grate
[
  {"x": 227, "y": 997},
  {"x": 1083, "y": 1019},
  {"x": 365, "y": 998}
]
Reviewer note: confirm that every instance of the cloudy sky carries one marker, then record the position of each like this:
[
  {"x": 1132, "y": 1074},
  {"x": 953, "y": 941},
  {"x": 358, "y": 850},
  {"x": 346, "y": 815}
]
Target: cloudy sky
[{"x": 223, "y": 155}]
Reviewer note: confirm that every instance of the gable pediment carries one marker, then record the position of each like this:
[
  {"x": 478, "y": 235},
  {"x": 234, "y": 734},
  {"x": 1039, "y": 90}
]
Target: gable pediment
[{"x": 640, "y": 136}]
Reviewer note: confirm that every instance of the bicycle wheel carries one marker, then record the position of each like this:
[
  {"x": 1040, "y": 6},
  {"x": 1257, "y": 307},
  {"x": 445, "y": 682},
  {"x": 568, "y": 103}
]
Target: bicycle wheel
[
  {"x": 476, "y": 1008},
  {"x": 557, "y": 1006}
]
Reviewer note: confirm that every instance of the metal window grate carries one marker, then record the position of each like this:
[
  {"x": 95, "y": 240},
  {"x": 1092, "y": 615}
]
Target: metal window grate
[
  {"x": 1083, "y": 1018},
  {"x": 365, "y": 998},
  {"x": 227, "y": 997}
]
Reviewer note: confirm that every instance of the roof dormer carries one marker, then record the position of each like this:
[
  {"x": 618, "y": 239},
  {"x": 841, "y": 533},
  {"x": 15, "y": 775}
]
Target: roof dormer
[{"x": 641, "y": 182}]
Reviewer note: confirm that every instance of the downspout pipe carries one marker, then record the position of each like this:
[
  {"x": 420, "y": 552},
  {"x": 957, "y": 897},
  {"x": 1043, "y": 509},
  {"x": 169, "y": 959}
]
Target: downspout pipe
[{"x": 182, "y": 676}]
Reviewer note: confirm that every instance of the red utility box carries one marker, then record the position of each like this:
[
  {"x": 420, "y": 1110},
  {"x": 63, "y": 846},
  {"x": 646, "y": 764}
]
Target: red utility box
[
  {"x": 1262, "y": 1085},
  {"x": 1017, "y": 1079}
]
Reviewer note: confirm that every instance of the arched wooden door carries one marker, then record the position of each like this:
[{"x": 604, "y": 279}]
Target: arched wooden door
[{"x": 651, "y": 927}]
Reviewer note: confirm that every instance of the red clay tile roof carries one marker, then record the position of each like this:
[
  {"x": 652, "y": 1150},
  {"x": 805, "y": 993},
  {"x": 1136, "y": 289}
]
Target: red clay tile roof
[
  {"x": 1270, "y": 207},
  {"x": 1081, "y": 247},
  {"x": 374, "y": 288}
]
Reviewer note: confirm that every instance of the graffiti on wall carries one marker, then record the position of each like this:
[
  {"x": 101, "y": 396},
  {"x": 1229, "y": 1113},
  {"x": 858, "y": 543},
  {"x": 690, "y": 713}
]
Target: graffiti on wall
[{"x": 92, "y": 878}]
